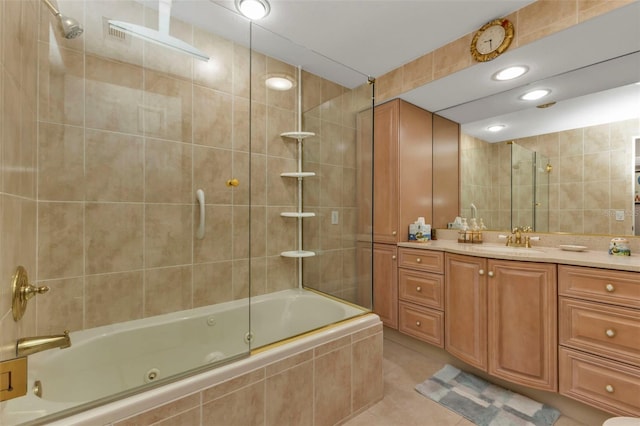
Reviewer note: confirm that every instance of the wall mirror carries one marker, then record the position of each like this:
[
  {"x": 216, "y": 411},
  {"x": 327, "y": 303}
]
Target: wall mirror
[{"x": 565, "y": 168}]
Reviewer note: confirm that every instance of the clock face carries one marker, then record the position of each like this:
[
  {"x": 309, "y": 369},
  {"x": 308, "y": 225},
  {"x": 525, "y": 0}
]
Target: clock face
[{"x": 490, "y": 39}]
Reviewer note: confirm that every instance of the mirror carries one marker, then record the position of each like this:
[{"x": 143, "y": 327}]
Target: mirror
[{"x": 565, "y": 168}]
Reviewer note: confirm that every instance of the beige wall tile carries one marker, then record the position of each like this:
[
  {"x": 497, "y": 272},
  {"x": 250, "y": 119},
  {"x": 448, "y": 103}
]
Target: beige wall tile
[
  {"x": 168, "y": 61},
  {"x": 331, "y": 185},
  {"x": 332, "y": 145},
  {"x": 49, "y": 30},
  {"x": 417, "y": 72},
  {"x": 241, "y": 232},
  {"x": 311, "y": 93},
  {"x": 212, "y": 167},
  {"x": 168, "y": 234},
  {"x": 63, "y": 307},
  {"x": 452, "y": 57},
  {"x": 113, "y": 237},
  {"x": 245, "y": 406},
  {"x": 285, "y": 99},
  {"x": 281, "y": 273},
  {"x": 332, "y": 379},
  {"x": 217, "y": 73},
  {"x": 218, "y": 236},
  {"x": 167, "y": 290},
  {"x": 545, "y": 17},
  {"x": 367, "y": 364},
  {"x": 280, "y": 121},
  {"x": 114, "y": 167},
  {"x": 113, "y": 95},
  {"x": 212, "y": 283},
  {"x": 258, "y": 180},
  {"x": 331, "y": 270},
  {"x": 168, "y": 169},
  {"x": 281, "y": 191},
  {"x": 258, "y": 73},
  {"x": 389, "y": 85},
  {"x": 212, "y": 117},
  {"x": 60, "y": 242},
  {"x": 167, "y": 411},
  {"x": 241, "y": 71},
  {"x": 281, "y": 232},
  {"x": 167, "y": 110},
  {"x": 289, "y": 396},
  {"x": 258, "y": 128},
  {"x": 60, "y": 148},
  {"x": 61, "y": 79},
  {"x": 113, "y": 298},
  {"x": 242, "y": 131},
  {"x": 234, "y": 384},
  {"x": 241, "y": 165}
]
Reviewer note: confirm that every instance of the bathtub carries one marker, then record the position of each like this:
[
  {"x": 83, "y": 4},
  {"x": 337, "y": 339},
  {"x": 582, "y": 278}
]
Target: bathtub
[{"x": 117, "y": 359}]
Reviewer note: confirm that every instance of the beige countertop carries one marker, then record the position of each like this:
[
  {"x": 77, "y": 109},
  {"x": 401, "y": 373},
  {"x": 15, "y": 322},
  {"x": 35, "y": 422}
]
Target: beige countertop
[{"x": 592, "y": 258}]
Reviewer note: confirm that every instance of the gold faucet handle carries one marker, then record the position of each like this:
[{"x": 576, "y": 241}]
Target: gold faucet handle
[{"x": 31, "y": 291}]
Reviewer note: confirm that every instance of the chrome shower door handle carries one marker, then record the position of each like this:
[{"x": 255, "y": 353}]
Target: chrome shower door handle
[{"x": 200, "y": 198}]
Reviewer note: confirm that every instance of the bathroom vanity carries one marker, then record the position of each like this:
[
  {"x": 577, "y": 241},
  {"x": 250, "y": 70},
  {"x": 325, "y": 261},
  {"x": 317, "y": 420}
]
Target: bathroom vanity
[{"x": 544, "y": 318}]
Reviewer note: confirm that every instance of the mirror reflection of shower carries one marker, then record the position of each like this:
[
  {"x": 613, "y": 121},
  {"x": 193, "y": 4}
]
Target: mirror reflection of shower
[
  {"x": 70, "y": 27},
  {"x": 529, "y": 188}
]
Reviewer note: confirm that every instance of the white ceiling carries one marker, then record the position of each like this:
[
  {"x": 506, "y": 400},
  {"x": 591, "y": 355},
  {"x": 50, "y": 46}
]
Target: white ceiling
[{"x": 348, "y": 40}]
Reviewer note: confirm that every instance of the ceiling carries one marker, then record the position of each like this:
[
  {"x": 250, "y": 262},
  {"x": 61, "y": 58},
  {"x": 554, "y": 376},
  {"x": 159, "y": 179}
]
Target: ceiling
[{"x": 347, "y": 40}]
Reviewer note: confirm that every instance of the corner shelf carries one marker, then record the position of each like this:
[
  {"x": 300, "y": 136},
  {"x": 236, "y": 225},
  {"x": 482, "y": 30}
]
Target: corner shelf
[
  {"x": 297, "y": 253},
  {"x": 299, "y": 215}
]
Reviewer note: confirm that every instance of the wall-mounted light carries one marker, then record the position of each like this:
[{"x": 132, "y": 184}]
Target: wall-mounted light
[
  {"x": 253, "y": 9},
  {"x": 279, "y": 82},
  {"x": 535, "y": 94},
  {"x": 496, "y": 127},
  {"x": 510, "y": 73}
]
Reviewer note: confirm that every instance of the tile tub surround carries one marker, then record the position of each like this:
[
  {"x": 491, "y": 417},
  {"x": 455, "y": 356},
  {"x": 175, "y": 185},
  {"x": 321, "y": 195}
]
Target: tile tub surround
[
  {"x": 545, "y": 250},
  {"x": 318, "y": 379}
]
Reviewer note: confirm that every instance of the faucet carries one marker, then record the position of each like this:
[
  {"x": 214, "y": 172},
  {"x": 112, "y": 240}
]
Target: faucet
[
  {"x": 474, "y": 211},
  {"x": 32, "y": 345},
  {"x": 515, "y": 239}
]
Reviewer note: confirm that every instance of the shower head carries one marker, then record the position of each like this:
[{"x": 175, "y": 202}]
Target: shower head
[{"x": 70, "y": 27}]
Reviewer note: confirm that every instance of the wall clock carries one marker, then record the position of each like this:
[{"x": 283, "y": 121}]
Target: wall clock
[{"x": 492, "y": 40}]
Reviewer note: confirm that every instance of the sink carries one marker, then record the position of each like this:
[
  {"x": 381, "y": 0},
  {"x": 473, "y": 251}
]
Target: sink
[{"x": 507, "y": 250}]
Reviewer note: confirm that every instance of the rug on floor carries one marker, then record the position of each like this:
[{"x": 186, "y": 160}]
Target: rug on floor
[{"x": 484, "y": 403}]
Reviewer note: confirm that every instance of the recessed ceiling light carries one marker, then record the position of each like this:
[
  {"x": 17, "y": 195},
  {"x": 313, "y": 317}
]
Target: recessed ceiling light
[
  {"x": 510, "y": 73},
  {"x": 535, "y": 94},
  {"x": 496, "y": 127},
  {"x": 280, "y": 82},
  {"x": 253, "y": 9}
]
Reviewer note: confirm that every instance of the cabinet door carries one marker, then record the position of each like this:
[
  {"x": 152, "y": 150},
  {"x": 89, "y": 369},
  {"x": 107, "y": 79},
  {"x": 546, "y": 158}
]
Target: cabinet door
[
  {"x": 466, "y": 309},
  {"x": 522, "y": 323},
  {"x": 385, "y": 284},
  {"x": 385, "y": 173}
]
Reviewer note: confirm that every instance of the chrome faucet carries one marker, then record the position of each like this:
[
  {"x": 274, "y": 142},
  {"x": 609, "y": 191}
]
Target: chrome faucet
[{"x": 32, "y": 345}]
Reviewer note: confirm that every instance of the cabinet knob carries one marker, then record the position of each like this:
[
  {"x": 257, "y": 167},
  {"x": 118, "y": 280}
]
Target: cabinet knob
[
  {"x": 394, "y": 233},
  {"x": 418, "y": 323},
  {"x": 418, "y": 260},
  {"x": 610, "y": 333},
  {"x": 418, "y": 289},
  {"x": 609, "y": 388},
  {"x": 490, "y": 273},
  {"x": 393, "y": 257},
  {"x": 481, "y": 272},
  {"x": 610, "y": 288}
]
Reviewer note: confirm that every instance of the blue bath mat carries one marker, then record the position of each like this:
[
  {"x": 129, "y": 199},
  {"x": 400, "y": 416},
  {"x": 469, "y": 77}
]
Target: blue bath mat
[{"x": 484, "y": 403}]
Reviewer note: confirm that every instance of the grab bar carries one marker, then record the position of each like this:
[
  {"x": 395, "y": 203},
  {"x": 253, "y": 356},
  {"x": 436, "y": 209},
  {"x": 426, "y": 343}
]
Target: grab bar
[{"x": 200, "y": 198}]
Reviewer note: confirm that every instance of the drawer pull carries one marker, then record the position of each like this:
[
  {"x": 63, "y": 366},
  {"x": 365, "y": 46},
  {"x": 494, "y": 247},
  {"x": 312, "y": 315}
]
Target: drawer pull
[
  {"x": 610, "y": 288},
  {"x": 610, "y": 333},
  {"x": 418, "y": 323},
  {"x": 418, "y": 260},
  {"x": 393, "y": 257},
  {"x": 394, "y": 233},
  {"x": 490, "y": 273},
  {"x": 609, "y": 388},
  {"x": 481, "y": 272},
  {"x": 418, "y": 289}
]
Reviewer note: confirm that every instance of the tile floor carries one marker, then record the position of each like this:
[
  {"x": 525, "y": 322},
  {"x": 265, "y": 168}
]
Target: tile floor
[{"x": 402, "y": 405}]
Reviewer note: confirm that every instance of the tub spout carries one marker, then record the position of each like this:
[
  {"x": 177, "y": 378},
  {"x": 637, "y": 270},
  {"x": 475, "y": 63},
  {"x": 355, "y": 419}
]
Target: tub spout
[{"x": 31, "y": 345}]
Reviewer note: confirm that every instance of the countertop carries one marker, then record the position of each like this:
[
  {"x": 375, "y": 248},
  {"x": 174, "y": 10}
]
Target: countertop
[{"x": 592, "y": 258}]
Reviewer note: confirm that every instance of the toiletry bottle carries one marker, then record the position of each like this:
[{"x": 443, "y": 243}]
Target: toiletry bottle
[{"x": 464, "y": 229}]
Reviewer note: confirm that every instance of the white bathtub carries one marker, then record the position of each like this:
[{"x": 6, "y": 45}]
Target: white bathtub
[{"x": 108, "y": 360}]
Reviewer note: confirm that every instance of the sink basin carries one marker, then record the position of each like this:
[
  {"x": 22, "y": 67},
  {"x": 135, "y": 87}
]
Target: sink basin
[{"x": 507, "y": 250}]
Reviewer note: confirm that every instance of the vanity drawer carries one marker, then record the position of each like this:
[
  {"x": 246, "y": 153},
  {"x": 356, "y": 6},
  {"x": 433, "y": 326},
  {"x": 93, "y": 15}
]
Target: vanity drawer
[
  {"x": 423, "y": 260},
  {"x": 606, "y": 330},
  {"x": 422, "y": 323},
  {"x": 608, "y": 385},
  {"x": 422, "y": 288},
  {"x": 600, "y": 285}
]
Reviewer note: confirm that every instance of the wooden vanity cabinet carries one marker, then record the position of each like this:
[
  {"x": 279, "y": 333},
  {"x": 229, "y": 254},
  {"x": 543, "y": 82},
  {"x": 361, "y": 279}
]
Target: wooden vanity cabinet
[
  {"x": 421, "y": 294},
  {"x": 385, "y": 283},
  {"x": 600, "y": 338},
  {"x": 501, "y": 317}
]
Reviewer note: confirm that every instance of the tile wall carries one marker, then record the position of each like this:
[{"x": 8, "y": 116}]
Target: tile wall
[
  {"x": 113, "y": 137},
  {"x": 592, "y": 177}
]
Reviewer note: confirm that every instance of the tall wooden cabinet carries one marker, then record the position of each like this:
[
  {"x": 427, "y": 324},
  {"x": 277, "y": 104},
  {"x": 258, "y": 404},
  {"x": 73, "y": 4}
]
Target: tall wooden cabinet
[
  {"x": 402, "y": 192},
  {"x": 501, "y": 316}
]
